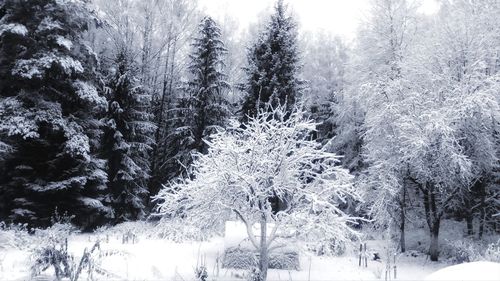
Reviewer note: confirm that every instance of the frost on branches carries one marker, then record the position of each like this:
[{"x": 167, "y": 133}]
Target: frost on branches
[
  {"x": 268, "y": 172},
  {"x": 50, "y": 112}
]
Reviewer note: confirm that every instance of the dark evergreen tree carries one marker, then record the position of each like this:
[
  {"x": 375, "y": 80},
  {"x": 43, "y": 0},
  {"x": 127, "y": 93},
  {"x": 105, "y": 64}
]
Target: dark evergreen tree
[
  {"x": 128, "y": 140},
  {"x": 273, "y": 66},
  {"x": 48, "y": 107},
  {"x": 203, "y": 105},
  {"x": 207, "y": 86}
]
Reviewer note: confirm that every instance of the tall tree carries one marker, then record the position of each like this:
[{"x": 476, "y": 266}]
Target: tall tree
[
  {"x": 461, "y": 72},
  {"x": 369, "y": 110},
  {"x": 325, "y": 58},
  {"x": 203, "y": 105},
  {"x": 207, "y": 87},
  {"x": 48, "y": 107},
  {"x": 177, "y": 19},
  {"x": 128, "y": 140},
  {"x": 157, "y": 33},
  {"x": 273, "y": 66},
  {"x": 431, "y": 114}
]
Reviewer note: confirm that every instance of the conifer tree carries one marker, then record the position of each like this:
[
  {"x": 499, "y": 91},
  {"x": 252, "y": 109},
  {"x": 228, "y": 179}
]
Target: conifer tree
[
  {"x": 48, "y": 107},
  {"x": 207, "y": 87},
  {"x": 203, "y": 106},
  {"x": 273, "y": 66},
  {"x": 128, "y": 140}
]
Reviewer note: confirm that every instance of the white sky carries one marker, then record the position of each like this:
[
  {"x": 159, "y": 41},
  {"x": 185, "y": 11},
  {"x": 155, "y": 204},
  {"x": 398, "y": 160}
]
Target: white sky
[{"x": 338, "y": 16}]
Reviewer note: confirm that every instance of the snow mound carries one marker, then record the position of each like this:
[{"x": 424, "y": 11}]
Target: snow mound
[{"x": 481, "y": 270}]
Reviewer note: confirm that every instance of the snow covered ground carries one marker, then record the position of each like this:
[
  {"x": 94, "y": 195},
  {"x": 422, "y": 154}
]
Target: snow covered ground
[
  {"x": 163, "y": 259},
  {"x": 482, "y": 270},
  {"x": 155, "y": 259}
]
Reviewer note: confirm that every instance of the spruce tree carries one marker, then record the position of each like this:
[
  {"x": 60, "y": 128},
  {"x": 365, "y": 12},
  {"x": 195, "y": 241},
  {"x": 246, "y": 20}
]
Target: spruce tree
[
  {"x": 48, "y": 108},
  {"x": 203, "y": 106},
  {"x": 128, "y": 140},
  {"x": 273, "y": 66},
  {"x": 207, "y": 86}
]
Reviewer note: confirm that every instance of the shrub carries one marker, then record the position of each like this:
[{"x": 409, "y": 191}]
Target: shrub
[
  {"x": 285, "y": 260},
  {"x": 52, "y": 252},
  {"x": 201, "y": 273},
  {"x": 178, "y": 231},
  {"x": 331, "y": 247},
  {"x": 492, "y": 252},
  {"x": 14, "y": 236},
  {"x": 462, "y": 250},
  {"x": 240, "y": 258}
]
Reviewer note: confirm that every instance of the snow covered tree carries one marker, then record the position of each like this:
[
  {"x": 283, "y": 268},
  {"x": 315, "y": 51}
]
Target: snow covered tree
[
  {"x": 156, "y": 34},
  {"x": 178, "y": 20},
  {"x": 431, "y": 124},
  {"x": 128, "y": 140},
  {"x": 373, "y": 106},
  {"x": 203, "y": 106},
  {"x": 207, "y": 88},
  {"x": 273, "y": 66},
  {"x": 325, "y": 58},
  {"x": 461, "y": 71},
  {"x": 48, "y": 107},
  {"x": 273, "y": 156}
]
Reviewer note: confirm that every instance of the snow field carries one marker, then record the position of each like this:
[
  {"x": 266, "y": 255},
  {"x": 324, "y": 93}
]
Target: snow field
[{"x": 157, "y": 259}]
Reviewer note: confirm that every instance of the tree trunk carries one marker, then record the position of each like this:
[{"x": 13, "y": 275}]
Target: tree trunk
[
  {"x": 482, "y": 221},
  {"x": 433, "y": 219},
  {"x": 434, "y": 246},
  {"x": 470, "y": 226},
  {"x": 264, "y": 254},
  {"x": 482, "y": 207},
  {"x": 156, "y": 161},
  {"x": 402, "y": 242}
]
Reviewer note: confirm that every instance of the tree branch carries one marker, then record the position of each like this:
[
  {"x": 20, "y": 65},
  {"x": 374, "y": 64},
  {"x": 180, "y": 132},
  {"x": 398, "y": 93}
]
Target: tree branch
[{"x": 251, "y": 236}]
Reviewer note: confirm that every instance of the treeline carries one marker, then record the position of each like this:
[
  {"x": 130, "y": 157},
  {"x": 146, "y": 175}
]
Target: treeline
[
  {"x": 102, "y": 102},
  {"x": 418, "y": 121}
]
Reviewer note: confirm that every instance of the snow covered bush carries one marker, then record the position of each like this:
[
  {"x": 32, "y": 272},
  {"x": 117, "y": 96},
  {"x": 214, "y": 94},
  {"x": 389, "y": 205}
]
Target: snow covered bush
[
  {"x": 461, "y": 250},
  {"x": 270, "y": 175},
  {"x": 138, "y": 228},
  {"x": 201, "y": 273},
  {"x": 330, "y": 248},
  {"x": 492, "y": 252},
  {"x": 469, "y": 250},
  {"x": 177, "y": 231},
  {"x": 241, "y": 258},
  {"x": 284, "y": 260},
  {"x": 14, "y": 236},
  {"x": 51, "y": 251}
]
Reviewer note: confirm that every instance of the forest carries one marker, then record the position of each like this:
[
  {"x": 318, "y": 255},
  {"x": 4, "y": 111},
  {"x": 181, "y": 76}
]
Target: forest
[{"x": 117, "y": 116}]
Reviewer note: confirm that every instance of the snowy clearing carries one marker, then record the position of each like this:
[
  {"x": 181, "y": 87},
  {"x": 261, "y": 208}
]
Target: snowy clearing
[{"x": 156, "y": 259}]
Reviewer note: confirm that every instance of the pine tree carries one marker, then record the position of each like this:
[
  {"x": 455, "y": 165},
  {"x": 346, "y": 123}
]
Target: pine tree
[
  {"x": 273, "y": 66},
  {"x": 48, "y": 107},
  {"x": 203, "y": 107},
  {"x": 207, "y": 87},
  {"x": 128, "y": 140}
]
